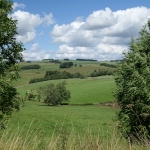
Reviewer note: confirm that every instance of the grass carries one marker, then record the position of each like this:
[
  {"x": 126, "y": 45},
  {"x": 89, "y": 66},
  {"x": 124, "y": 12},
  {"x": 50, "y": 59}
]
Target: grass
[
  {"x": 69, "y": 127},
  {"x": 86, "y": 69},
  {"x": 66, "y": 140},
  {"x": 47, "y": 121},
  {"x": 90, "y": 90},
  {"x": 46, "y": 117}
]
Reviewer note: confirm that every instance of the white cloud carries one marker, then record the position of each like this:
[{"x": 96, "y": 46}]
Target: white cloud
[
  {"x": 27, "y": 24},
  {"x": 103, "y": 35},
  {"x": 36, "y": 53},
  {"x": 48, "y": 19},
  {"x": 100, "y": 19},
  {"x": 16, "y": 5},
  {"x": 35, "y": 47}
]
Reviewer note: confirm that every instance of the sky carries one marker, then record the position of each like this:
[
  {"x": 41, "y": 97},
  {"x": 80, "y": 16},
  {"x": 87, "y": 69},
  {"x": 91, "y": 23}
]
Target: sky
[{"x": 87, "y": 29}]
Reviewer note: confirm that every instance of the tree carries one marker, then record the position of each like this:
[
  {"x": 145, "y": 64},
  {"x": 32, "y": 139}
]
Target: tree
[
  {"x": 10, "y": 54},
  {"x": 66, "y": 65},
  {"x": 133, "y": 88},
  {"x": 55, "y": 95}
]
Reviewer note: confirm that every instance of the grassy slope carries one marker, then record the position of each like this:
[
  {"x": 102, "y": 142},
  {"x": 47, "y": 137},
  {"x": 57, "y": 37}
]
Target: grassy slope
[
  {"x": 86, "y": 69},
  {"x": 91, "y": 90},
  {"x": 78, "y": 117}
]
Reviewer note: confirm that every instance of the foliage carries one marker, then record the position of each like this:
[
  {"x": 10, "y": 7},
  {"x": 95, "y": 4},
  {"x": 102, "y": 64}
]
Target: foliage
[
  {"x": 66, "y": 65},
  {"x": 108, "y": 65},
  {"x": 10, "y": 54},
  {"x": 100, "y": 72},
  {"x": 133, "y": 88},
  {"x": 8, "y": 99},
  {"x": 36, "y": 66},
  {"x": 85, "y": 59},
  {"x": 66, "y": 59},
  {"x": 30, "y": 95},
  {"x": 53, "y": 75},
  {"x": 78, "y": 75},
  {"x": 56, "y": 94},
  {"x": 29, "y": 61},
  {"x": 55, "y": 61}
]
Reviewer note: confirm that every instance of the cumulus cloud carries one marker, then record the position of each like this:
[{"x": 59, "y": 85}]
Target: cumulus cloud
[
  {"x": 48, "y": 19},
  {"x": 27, "y": 23},
  {"x": 104, "y": 34},
  {"x": 35, "y": 52},
  {"x": 16, "y": 5}
]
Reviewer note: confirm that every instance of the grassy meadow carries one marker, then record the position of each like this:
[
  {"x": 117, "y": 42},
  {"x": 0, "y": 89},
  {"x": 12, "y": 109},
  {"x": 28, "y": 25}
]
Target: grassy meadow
[
  {"x": 83, "y": 124},
  {"x": 87, "y": 68}
]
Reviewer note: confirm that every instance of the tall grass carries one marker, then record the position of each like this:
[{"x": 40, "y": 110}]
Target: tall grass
[{"x": 66, "y": 140}]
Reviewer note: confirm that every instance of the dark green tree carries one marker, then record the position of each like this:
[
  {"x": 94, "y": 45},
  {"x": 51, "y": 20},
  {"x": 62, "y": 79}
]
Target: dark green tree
[
  {"x": 56, "y": 95},
  {"x": 10, "y": 54},
  {"x": 133, "y": 88}
]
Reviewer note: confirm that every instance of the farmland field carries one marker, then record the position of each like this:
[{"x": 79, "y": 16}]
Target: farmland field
[
  {"x": 27, "y": 75},
  {"x": 83, "y": 114}
]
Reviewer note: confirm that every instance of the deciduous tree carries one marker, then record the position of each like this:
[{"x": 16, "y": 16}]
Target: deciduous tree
[
  {"x": 55, "y": 95},
  {"x": 10, "y": 54},
  {"x": 133, "y": 88}
]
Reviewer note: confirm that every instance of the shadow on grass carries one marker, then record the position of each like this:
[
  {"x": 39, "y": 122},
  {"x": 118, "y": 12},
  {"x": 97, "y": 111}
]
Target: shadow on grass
[{"x": 67, "y": 104}]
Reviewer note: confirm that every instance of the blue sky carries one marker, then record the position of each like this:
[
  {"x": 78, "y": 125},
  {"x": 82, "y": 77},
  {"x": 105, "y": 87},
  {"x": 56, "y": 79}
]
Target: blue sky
[{"x": 93, "y": 29}]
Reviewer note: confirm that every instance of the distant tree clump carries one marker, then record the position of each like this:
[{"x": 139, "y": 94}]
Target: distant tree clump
[
  {"x": 56, "y": 94},
  {"x": 66, "y": 59},
  {"x": 133, "y": 88},
  {"x": 36, "y": 66},
  {"x": 28, "y": 61},
  {"x": 102, "y": 72},
  {"x": 53, "y": 75},
  {"x": 55, "y": 61},
  {"x": 66, "y": 65},
  {"x": 108, "y": 65},
  {"x": 85, "y": 59}
]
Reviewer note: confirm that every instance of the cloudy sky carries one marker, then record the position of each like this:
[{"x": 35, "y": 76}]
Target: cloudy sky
[{"x": 92, "y": 29}]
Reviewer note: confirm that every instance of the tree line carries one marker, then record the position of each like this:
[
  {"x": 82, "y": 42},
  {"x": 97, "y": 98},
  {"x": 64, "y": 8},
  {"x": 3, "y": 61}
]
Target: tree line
[
  {"x": 54, "y": 75},
  {"x": 66, "y": 65},
  {"x": 101, "y": 72},
  {"x": 108, "y": 65},
  {"x": 85, "y": 59},
  {"x": 36, "y": 66}
]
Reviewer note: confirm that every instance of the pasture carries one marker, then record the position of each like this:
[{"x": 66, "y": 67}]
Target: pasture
[
  {"x": 83, "y": 116},
  {"x": 86, "y": 69}
]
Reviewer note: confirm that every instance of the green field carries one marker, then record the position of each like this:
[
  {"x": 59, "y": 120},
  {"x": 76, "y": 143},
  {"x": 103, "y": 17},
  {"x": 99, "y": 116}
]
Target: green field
[
  {"x": 86, "y": 69},
  {"x": 90, "y": 90},
  {"x": 83, "y": 114},
  {"x": 45, "y": 118}
]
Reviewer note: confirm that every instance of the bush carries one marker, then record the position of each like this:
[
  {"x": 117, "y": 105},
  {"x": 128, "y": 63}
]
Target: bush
[
  {"x": 31, "y": 95},
  {"x": 53, "y": 75},
  {"x": 101, "y": 73},
  {"x": 108, "y": 65},
  {"x": 66, "y": 65},
  {"x": 36, "y": 66},
  {"x": 55, "y": 95},
  {"x": 133, "y": 88}
]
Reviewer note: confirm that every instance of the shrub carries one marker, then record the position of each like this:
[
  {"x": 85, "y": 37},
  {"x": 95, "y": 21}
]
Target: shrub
[
  {"x": 66, "y": 65},
  {"x": 55, "y": 95},
  {"x": 133, "y": 88},
  {"x": 36, "y": 66}
]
